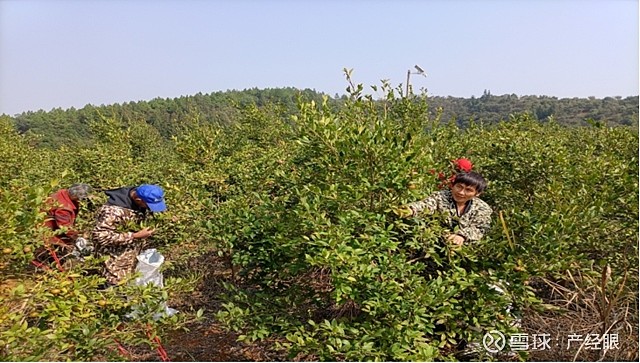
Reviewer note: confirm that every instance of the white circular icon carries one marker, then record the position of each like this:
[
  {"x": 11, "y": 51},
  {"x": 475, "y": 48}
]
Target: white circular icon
[{"x": 494, "y": 341}]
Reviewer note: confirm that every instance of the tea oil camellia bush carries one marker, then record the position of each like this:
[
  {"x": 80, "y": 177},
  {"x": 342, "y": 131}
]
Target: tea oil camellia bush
[
  {"x": 568, "y": 195},
  {"x": 327, "y": 264},
  {"x": 303, "y": 210}
]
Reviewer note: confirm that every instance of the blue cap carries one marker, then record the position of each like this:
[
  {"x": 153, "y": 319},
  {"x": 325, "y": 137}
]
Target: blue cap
[{"x": 153, "y": 195}]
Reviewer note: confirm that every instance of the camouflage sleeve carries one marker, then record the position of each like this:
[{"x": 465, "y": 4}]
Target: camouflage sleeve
[
  {"x": 430, "y": 203},
  {"x": 105, "y": 231},
  {"x": 477, "y": 224}
]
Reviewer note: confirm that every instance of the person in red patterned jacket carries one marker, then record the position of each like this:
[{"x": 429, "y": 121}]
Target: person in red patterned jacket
[{"x": 62, "y": 210}]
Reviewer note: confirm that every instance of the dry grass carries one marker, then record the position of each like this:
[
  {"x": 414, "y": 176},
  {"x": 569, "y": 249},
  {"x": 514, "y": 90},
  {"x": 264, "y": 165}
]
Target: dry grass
[{"x": 588, "y": 306}]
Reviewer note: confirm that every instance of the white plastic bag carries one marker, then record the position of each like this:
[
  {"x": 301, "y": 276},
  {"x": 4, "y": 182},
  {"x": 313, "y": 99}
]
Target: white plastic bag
[
  {"x": 82, "y": 248},
  {"x": 149, "y": 263}
]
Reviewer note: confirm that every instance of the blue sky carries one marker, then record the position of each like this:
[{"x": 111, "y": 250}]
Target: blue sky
[{"x": 69, "y": 53}]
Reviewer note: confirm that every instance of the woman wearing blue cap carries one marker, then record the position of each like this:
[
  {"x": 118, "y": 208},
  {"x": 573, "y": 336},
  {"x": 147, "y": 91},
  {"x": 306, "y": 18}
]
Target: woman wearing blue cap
[{"x": 124, "y": 206}]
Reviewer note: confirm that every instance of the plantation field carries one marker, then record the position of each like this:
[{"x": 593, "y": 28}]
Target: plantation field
[{"x": 281, "y": 240}]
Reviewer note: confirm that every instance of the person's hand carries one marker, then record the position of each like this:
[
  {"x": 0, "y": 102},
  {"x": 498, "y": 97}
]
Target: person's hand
[
  {"x": 403, "y": 211},
  {"x": 455, "y": 239},
  {"x": 143, "y": 233}
]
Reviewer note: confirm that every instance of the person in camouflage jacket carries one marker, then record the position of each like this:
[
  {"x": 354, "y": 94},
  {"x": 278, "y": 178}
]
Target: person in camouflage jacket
[
  {"x": 125, "y": 207},
  {"x": 468, "y": 216}
]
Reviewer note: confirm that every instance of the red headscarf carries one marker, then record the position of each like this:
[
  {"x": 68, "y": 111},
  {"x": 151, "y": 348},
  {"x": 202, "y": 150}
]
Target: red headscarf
[
  {"x": 459, "y": 165},
  {"x": 463, "y": 164}
]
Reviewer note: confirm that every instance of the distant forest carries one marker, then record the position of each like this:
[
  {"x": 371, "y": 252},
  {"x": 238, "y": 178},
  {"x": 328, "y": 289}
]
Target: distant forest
[{"x": 72, "y": 127}]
